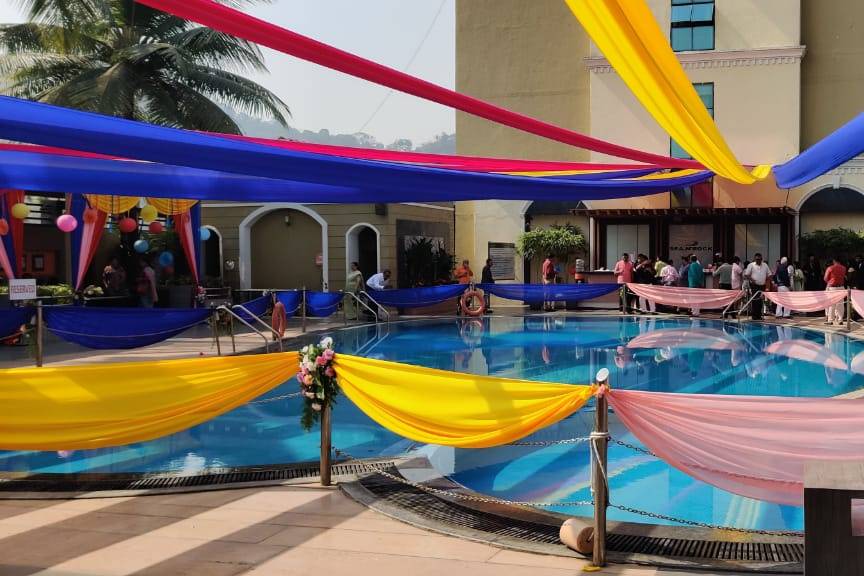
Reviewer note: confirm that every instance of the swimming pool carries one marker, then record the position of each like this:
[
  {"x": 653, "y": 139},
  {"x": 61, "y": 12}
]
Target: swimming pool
[{"x": 652, "y": 353}]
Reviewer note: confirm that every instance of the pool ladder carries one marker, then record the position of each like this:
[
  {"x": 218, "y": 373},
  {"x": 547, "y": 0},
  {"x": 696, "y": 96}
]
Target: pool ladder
[{"x": 231, "y": 312}]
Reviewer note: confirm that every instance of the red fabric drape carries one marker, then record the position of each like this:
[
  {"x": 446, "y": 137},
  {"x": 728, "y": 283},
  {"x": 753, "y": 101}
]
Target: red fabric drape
[
  {"x": 236, "y": 23},
  {"x": 183, "y": 222},
  {"x": 16, "y": 233},
  {"x": 90, "y": 238}
]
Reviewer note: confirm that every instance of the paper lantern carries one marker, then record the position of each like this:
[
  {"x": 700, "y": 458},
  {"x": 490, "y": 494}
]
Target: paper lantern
[
  {"x": 4, "y": 227},
  {"x": 149, "y": 213},
  {"x": 20, "y": 211},
  {"x": 156, "y": 228},
  {"x": 90, "y": 215},
  {"x": 205, "y": 234},
  {"x": 127, "y": 225},
  {"x": 141, "y": 246},
  {"x": 66, "y": 223},
  {"x": 166, "y": 259}
]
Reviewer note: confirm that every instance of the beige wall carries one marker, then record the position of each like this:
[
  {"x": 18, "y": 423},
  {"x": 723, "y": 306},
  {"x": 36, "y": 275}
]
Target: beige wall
[
  {"x": 283, "y": 255},
  {"x": 827, "y": 220}
]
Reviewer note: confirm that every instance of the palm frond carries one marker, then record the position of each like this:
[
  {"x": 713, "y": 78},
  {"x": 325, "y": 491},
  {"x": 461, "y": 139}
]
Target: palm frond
[
  {"x": 34, "y": 37},
  {"x": 214, "y": 48},
  {"x": 40, "y": 73},
  {"x": 240, "y": 93},
  {"x": 200, "y": 113},
  {"x": 62, "y": 11}
]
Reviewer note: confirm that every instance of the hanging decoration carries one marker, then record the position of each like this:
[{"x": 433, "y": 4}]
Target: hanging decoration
[
  {"x": 156, "y": 228},
  {"x": 205, "y": 233},
  {"x": 171, "y": 206},
  {"x": 112, "y": 204},
  {"x": 66, "y": 223},
  {"x": 166, "y": 259},
  {"x": 317, "y": 379},
  {"x": 148, "y": 213},
  {"x": 141, "y": 246},
  {"x": 20, "y": 211},
  {"x": 127, "y": 225}
]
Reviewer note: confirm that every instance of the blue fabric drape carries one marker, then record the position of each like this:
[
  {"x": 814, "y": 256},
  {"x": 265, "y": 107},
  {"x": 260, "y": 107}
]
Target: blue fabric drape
[
  {"x": 322, "y": 304},
  {"x": 120, "y": 328},
  {"x": 838, "y": 147},
  {"x": 357, "y": 180},
  {"x": 536, "y": 293},
  {"x": 257, "y": 306},
  {"x": 291, "y": 300},
  {"x": 417, "y": 297},
  {"x": 11, "y": 320}
]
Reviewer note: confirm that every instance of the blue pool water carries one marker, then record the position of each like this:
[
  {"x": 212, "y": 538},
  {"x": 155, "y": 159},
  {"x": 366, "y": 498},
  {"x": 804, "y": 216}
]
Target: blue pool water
[{"x": 658, "y": 354}]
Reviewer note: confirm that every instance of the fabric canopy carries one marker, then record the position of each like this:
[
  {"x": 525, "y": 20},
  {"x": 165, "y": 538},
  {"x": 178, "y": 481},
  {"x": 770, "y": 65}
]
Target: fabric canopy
[
  {"x": 230, "y": 21},
  {"x": 120, "y": 328},
  {"x": 85, "y": 407},
  {"x": 754, "y": 446},
  {"x": 417, "y": 297},
  {"x": 807, "y": 301},
  {"x": 322, "y": 304},
  {"x": 257, "y": 306},
  {"x": 85, "y": 239},
  {"x": 838, "y": 147},
  {"x": 628, "y": 35},
  {"x": 454, "y": 409},
  {"x": 291, "y": 300},
  {"x": 11, "y": 320},
  {"x": 686, "y": 297},
  {"x": 11, "y": 244},
  {"x": 536, "y": 293}
]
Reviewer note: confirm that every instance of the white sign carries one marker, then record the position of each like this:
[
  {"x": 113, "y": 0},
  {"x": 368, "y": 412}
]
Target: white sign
[
  {"x": 22, "y": 289},
  {"x": 687, "y": 239}
]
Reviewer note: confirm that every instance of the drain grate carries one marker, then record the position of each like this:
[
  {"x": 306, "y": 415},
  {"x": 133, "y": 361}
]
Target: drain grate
[
  {"x": 99, "y": 482},
  {"x": 446, "y": 512}
]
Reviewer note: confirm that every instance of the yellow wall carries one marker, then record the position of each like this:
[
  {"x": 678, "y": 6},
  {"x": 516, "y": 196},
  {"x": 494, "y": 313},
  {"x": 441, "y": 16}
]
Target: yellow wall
[{"x": 827, "y": 220}]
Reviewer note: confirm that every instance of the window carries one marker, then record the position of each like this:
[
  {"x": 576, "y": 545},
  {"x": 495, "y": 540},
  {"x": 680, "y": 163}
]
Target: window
[
  {"x": 699, "y": 195},
  {"x": 763, "y": 238},
  {"x": 630, "y": 238},
  {"x": 692, "y": 25},
  {"x": 706, "y": 93}
]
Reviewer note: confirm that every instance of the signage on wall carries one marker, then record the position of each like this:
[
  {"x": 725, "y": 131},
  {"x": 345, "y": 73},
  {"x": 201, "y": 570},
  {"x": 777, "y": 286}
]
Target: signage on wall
[
  {"x": 319, "y": 259},
  {"x": 23, "y": 289},
  {"x": 503, "y": 257},
  {"x": 687, "y": 239}
]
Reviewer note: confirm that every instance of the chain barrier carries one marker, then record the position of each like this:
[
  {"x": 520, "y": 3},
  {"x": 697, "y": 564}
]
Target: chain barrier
[
  {"x": 276, "y": 398},
  {"x": 633, "y": 447},
  {"x": 703, "y": 524},
  {"x": 577, "y": 440}
]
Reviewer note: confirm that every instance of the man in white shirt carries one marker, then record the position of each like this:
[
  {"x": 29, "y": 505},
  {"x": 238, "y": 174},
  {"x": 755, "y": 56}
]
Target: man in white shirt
[
  {"x": 757, "y": 273},
  {"x": 379, "y": 281},
  {"x": 668, "y": 274},
  {"x": 737, "y": 273}
]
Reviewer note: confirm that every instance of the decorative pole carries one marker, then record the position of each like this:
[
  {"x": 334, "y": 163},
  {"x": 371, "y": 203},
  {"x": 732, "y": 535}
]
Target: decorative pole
[
  {"x": 303, "y": 311},
  {"x": 40, "y": 330},
  {"x": 599, "y": 440},
  {"x": 325, "y": 443}
]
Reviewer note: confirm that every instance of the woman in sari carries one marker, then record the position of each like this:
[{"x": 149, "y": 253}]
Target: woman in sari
[{"x": 354, "y": 283}]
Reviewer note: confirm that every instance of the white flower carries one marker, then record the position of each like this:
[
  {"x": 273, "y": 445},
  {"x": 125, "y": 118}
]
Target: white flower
[
  {"x": 309, "y": 365},
  {"x": 304, "y": 350},
  {"x": 320, "y": 395},
  {"x": 327, "y": 342}
]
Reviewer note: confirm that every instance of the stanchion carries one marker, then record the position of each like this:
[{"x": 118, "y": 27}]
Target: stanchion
[
  {"x": 40, "y": 329},
  {"x": 848, "y": 309},
  {"x": 345, "y": 308},
  {"x": 325, "y": 445},
  {"x": 231, "y": 331},
  {"x": 599, "y": 440},
  {"x": 303, "y": 311},
  {"x": 215, "y": 321}
]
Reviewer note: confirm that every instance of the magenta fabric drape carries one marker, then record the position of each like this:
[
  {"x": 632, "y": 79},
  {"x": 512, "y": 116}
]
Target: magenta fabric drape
[
  {"x": 5, "y": 264},
  {"x": 857, "y": 300},
  {"x": 809, "y": 301},
  {"x": 236, "y": 23},
  {"x": 183, "y": 221},
  {"x": 90, "y": 238},
  {"x": 752, "y": 446},
  {"x": 686, "y": 297}
]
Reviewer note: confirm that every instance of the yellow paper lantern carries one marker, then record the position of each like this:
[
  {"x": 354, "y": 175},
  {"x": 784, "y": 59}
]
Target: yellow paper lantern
[
  {"x": 149, "y": 213},
  {"x": 20, "y": 211}
]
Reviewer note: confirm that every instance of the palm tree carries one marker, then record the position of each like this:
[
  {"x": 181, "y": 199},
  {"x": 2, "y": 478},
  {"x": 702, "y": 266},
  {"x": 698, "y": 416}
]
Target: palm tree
[{"x": 120, "y": 58}]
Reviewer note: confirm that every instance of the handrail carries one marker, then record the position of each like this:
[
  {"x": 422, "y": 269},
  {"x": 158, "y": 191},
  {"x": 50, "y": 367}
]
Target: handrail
[
  {"x": 380, "y": 307},
  {"x": 276, "y": 336},
  {"x": 248, "y": 325},
  {"x": 746, "y": 304},
  {"x": 362, "y": 303},
  {"x": 726, "y": 309}
]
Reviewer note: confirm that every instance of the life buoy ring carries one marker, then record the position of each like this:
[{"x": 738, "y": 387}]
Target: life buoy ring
[
  {"x": 465, "y": 303},
  {"x": 279, "y": 319},
  {"x": 471, "y": 332}
]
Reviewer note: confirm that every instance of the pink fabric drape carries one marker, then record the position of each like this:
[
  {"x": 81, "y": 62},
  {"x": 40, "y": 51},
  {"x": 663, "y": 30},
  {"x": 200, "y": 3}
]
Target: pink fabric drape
[
  {"x": 236, "y": 23},
  {"x": 90, "y": 237},
  {"x": 807, "y": 351},
  {"x": 809, "y": 301},
  {"x": 686, "y": 297},
  {"x": 692, "y": 338},
  {"x": 752, "y": 446},
  {"x": 187, "y": 239},
  {"x": 5, "y": 265},
  {"x": 857, "y": 301}
]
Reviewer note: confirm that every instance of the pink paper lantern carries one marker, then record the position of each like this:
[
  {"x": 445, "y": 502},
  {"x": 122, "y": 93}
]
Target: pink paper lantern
[
  {"x": 4, "y": 227},
  {"x": 90, "y": 215},
  {"x": 67, "y": 223},
  {"x": 156, "y": 228},
  {"x": 127, "y": 225}
]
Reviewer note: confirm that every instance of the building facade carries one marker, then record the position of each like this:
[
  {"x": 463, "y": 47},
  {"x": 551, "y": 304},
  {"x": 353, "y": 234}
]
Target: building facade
[{"x": 777, "y": 75}]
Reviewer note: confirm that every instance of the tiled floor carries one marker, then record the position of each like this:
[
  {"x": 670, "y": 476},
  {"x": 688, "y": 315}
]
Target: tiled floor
[{"x": 298, "y": 530}]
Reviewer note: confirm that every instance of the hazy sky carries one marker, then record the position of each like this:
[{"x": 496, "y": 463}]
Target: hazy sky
[{"x": 386, "y": 31}]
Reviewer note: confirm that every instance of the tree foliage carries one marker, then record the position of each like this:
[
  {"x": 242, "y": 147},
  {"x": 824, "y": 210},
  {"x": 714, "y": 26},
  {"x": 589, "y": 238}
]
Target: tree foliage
[
  {"x": 558, "y": 240},
  {"x": 425, "y": 263},
  {"x": 825, "y": 244}
]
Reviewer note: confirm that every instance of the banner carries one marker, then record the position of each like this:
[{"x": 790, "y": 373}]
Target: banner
[{"x": 687, "y": 239}]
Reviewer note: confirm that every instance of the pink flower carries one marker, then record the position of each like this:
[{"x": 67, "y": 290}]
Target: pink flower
[
  {"x": 328, "y": 354},
  {"x": 329, "y": 372},
  {"x": 316, "y": 407},
  {"x": 300, "y": 377},
  {"x": 320, "y": 361}
]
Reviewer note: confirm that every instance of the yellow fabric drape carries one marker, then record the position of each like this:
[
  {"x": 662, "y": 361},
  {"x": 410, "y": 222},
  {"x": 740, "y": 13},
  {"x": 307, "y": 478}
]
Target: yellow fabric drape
[
  {"x": 83, "y": 407},
  {"x": 171, "y": 207},
  {"x": 112, "y": 204},
  {"x": 451, "y": 408},
  {"x": 628, "y": 35}
]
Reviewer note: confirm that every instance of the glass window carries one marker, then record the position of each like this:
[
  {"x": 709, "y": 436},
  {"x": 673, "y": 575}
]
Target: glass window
[
  {"x": 692, "y": 25},
  {"x": 763, "y": 238},
  {"x": 706, "y": 94},
  {"x": 699, "y": 195},
  {"x": 630, "y": 238}
]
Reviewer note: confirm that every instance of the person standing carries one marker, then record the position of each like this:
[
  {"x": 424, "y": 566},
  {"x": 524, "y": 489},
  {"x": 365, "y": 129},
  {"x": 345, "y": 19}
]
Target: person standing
[
  {"x": 757, "y": 274},
  {"x": 783, "y": 281},
  {"x": 147, "y": 283},
  {"x": 487, "y": 278},
  {"x": 354, "y": 284},
  {"x": 114, "y": 278},
  {"x": 643, "y": 273},
  {"x": 812, "y": 274},
  {"x": 463, "y": 273},
  {"x": 659, "y": 265},
  {"x": 379, "y": 281},
  {"x": 737, "y": 274},
  {"x": 579, "y": 271},
  {"x": 797, "y": 277},
  {"x": 623, "y": 272},
  {"x": 668, "y": 274},
  {"x": 695, "y": 278},
  {"x": 548, "y": 272},
  {"x": 835, "y": 279},
  {"x": 723, "y": 273},
  {"x": 682, "y": 270}
]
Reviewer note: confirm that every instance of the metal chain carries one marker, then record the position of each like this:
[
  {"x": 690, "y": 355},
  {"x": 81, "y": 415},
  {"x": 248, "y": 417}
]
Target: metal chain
[
  {"x": 703, "y": 524},
  {"x": 577, "y": 440},
  {"x": 633, "y": 447},
  {"x": 276, "y": 398}
]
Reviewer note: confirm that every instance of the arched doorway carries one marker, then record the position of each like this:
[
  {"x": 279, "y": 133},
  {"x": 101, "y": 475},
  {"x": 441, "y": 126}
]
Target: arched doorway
[
  {"x": 362, "y": 245},
  {"x": 284, "y": 246},
  {"x": 211, "y": 257},
  {"x": 827, "y": 208}
]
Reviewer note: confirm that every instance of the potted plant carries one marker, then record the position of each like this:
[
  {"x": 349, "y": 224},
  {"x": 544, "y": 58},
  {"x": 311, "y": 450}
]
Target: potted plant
[{"x": 565, "y": 242}]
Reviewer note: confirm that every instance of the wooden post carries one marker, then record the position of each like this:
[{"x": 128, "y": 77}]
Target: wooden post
[
  {"x": 325, "y": 444},
  {"x": 599, "y": 439},
  {"x": 40, "y": 331},
  {"x": 303, "y": 312},
  {"x": 215, "y": 320}
]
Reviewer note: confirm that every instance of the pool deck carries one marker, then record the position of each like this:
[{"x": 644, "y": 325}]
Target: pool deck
[{"x": 287, "y": 530}]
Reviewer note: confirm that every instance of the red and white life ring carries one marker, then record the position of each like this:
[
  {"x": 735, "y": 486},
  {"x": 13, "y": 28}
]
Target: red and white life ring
[
  {"x": 279, "y": 319},
  {"x": 465, "y": 303}
]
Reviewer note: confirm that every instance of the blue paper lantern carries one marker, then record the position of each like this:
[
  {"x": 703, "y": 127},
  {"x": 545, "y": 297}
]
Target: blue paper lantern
[
  {"x": 205, "y": 233},
  {"x": 166, "y": 259},
  {"x": 141, "y": 246}
]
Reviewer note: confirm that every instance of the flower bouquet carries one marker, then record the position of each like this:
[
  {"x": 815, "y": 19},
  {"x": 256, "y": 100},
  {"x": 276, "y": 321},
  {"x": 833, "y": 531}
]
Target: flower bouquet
[{"x": 317, "y": 379}]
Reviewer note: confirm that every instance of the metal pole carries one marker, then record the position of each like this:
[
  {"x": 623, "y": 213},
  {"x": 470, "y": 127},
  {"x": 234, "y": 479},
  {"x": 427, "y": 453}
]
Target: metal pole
[
  {"x": 345, "y": 308},
  {"x": 599, "y": 440},
  {"x": 325, "y": 444},
  {"x": 215, "y": 320},
  {"x": 303, "y": 312},
  {"x": 40, "y": 330},
  {"x": 849, "y": 309},
  {"x": 231, "y": 331}
]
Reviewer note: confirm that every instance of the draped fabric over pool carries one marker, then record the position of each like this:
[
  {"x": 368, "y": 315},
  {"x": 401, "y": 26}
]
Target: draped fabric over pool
[
  {"x": 291, "y": 300},
  {"x": 454, "y": 409},
  {"x": 257, "y": 306},
  {"x": 809, "y": 301},
  {"x": 11, "y": 320},
  {"x": 83, "y": 407},
  {"x": 838, "y": 147},
  {"x": 120, "y": 328},
  {"x": 686, "y": 297},
  {"x": 417, "y": 297},
  {"x": 535, "y": 293},
  {"x": 322, "y": 304}
]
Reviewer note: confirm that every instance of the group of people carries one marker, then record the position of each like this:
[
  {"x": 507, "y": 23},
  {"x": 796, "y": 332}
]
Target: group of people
[{"x": 115, "y": 281}]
